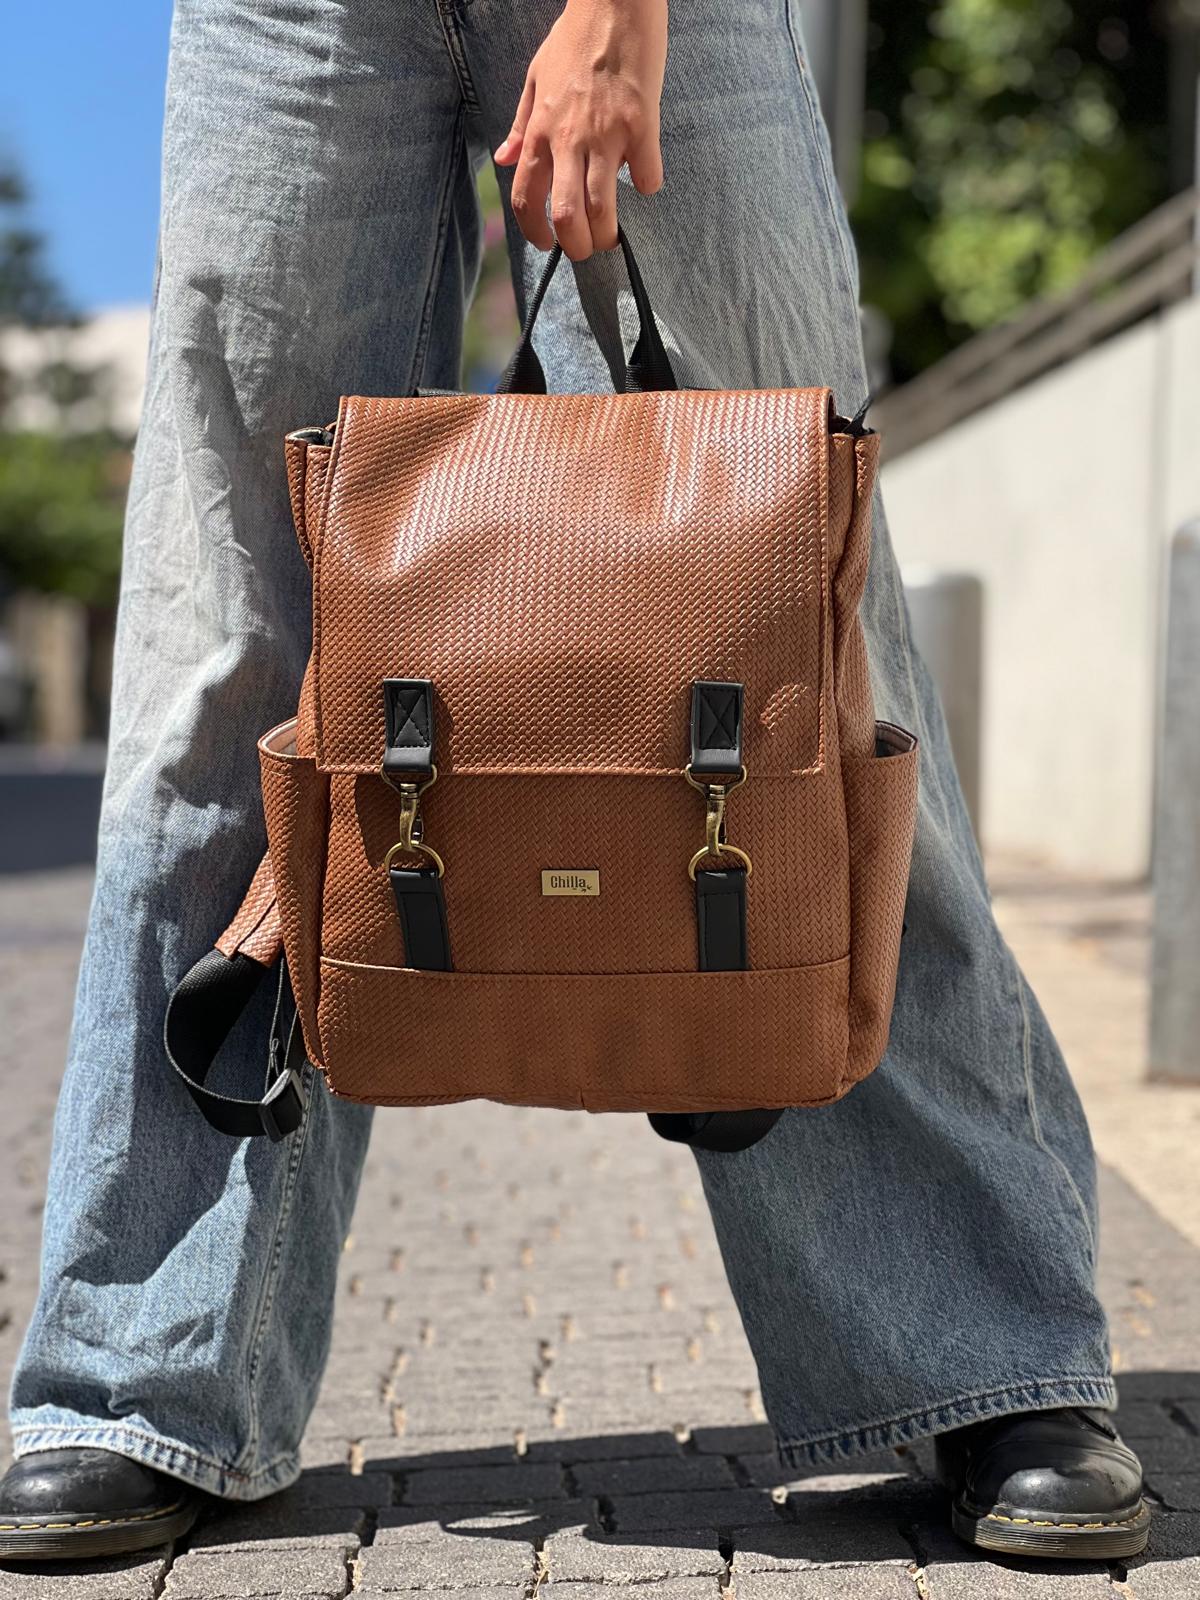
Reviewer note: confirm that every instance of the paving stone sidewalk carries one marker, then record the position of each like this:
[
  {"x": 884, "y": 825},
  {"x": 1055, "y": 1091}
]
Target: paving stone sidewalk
[{"x": 539, "y": 1384}]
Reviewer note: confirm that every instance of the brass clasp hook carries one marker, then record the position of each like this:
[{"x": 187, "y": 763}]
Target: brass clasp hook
[
  {"x": 410, "y": 841},
  {"x": 716, "y": 798}
]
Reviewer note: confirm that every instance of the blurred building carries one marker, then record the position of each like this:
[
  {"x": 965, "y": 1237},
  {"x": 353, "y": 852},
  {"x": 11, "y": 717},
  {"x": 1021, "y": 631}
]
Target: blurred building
[
  {"x": 54, "y": 650},
  {"x": 112, "y": 344}
]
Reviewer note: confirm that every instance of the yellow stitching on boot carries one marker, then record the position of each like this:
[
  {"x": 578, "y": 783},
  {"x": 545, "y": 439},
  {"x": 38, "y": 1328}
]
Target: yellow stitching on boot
[
  {"x": 92, "y": 1522},
  {"x": 1089, "y": 1527}
]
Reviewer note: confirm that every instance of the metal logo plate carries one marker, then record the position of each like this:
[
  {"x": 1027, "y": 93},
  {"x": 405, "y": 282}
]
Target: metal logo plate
[{"x": 580, "y": 881}]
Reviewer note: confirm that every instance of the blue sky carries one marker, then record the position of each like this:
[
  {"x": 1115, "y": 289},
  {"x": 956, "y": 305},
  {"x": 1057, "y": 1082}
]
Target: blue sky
[{"x": 81, "y": 94}]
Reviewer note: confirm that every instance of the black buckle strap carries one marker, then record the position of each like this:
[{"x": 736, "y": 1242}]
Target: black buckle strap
[
  {"x": 408, "y": 707},
  {"x": 717, "y": 715},
  {"x": 422, "y": 907},
  {"x": 721, "y": 920},
  {"x": 408, "y": 767},
  {"x": 202, "y": 1010},
  {"x": 716, "y": 729}
]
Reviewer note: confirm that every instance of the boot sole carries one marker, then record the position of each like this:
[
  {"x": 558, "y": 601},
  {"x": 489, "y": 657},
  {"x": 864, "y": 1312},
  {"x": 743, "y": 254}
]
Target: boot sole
[
  {"x": 85, "y": 1538},
  {"x": 1018, "y": 1534}
]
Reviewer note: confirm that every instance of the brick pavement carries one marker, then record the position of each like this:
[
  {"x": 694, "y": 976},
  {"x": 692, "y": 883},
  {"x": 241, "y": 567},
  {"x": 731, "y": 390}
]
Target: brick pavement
[{"x": 539, "y": 1382}]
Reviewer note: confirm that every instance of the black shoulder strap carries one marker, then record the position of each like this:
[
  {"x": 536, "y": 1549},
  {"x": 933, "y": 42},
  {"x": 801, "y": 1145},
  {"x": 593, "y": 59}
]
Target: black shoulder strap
[
  {"x": 202, "y": 1010},
  {"x": 726, "y": 1132}
]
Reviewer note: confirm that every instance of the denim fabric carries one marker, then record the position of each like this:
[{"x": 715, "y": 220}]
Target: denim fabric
[{"x": 910, "y": 1259}]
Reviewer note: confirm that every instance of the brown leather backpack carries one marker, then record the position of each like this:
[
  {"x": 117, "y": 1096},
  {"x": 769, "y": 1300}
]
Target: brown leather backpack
[{"x": 585, "y": 804}]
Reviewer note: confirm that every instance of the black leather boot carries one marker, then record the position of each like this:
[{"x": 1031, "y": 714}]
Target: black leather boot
[
  {"x": 1046, "y": 1483},
  {"x": 73, "y": 1505}
]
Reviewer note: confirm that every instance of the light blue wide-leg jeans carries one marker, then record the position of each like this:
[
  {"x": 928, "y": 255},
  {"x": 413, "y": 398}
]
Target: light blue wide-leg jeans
[{"x": 911, "y": 1259}]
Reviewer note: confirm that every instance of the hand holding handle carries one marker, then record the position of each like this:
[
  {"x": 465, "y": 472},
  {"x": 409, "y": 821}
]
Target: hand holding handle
[{"x": 649, "y": 366}]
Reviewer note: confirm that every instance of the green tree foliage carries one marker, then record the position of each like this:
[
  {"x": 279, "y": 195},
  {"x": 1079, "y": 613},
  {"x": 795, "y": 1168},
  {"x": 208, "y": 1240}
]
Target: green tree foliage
[
  {"x": 62, "y": 491},
  {"x": 1006, "y": 142},
  {"x": 62, "y": 498}
]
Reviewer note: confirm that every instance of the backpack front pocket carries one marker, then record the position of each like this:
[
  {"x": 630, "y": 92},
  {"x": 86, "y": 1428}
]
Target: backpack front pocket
[{"x": 638, "y": 1041}]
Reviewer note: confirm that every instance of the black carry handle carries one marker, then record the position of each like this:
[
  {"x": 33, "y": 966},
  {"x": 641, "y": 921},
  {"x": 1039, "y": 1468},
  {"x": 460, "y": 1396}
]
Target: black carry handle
[{"x": 649, "y": 367}]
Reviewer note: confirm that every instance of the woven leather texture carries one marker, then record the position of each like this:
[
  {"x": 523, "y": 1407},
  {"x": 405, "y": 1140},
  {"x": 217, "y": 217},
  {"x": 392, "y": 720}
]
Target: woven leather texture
[
  {"x": 638, "y": 833},
  {"x": 563, "y": 568},
  {"x": 307, "y": 465},
  {"x": 255, "y": 931}
]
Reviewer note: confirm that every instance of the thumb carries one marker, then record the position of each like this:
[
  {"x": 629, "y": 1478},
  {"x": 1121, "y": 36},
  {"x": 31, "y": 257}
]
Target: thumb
[{"x": 510, "y": 149}]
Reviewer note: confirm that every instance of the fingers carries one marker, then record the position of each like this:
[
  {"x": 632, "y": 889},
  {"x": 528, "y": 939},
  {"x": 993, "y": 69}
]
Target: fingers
[
  {"x": 579, "y": 177},
  {"x": 601, "y": 192},
  {"x": 530, "y": 189},
  {"x": 568, "y": 209},
  {"x": 509, "y": 149},
  {"x": 645, "y": 162},
  {"x": 584, "y": 189}
]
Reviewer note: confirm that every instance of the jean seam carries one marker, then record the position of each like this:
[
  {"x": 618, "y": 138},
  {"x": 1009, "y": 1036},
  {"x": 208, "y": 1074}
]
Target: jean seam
[
  {"x": 271, "y": 1277},
  {"x": 442, "y": 226},
  {"x": 820, "y": 145},
  {"x": 451, "y": 33}
]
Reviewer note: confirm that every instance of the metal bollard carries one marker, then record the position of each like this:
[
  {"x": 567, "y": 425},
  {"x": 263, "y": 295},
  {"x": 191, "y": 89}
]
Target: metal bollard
[
  {"x": 947, "y": 625},
  {"x": 1175, "y": 960}
]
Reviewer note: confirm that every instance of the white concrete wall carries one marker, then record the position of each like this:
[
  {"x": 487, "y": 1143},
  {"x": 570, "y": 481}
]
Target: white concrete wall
[{"x": 1062, "y": 498}]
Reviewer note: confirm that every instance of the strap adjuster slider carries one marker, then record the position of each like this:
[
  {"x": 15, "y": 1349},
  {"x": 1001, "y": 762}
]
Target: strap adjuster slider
[{"x": 283, "y": 1105}]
